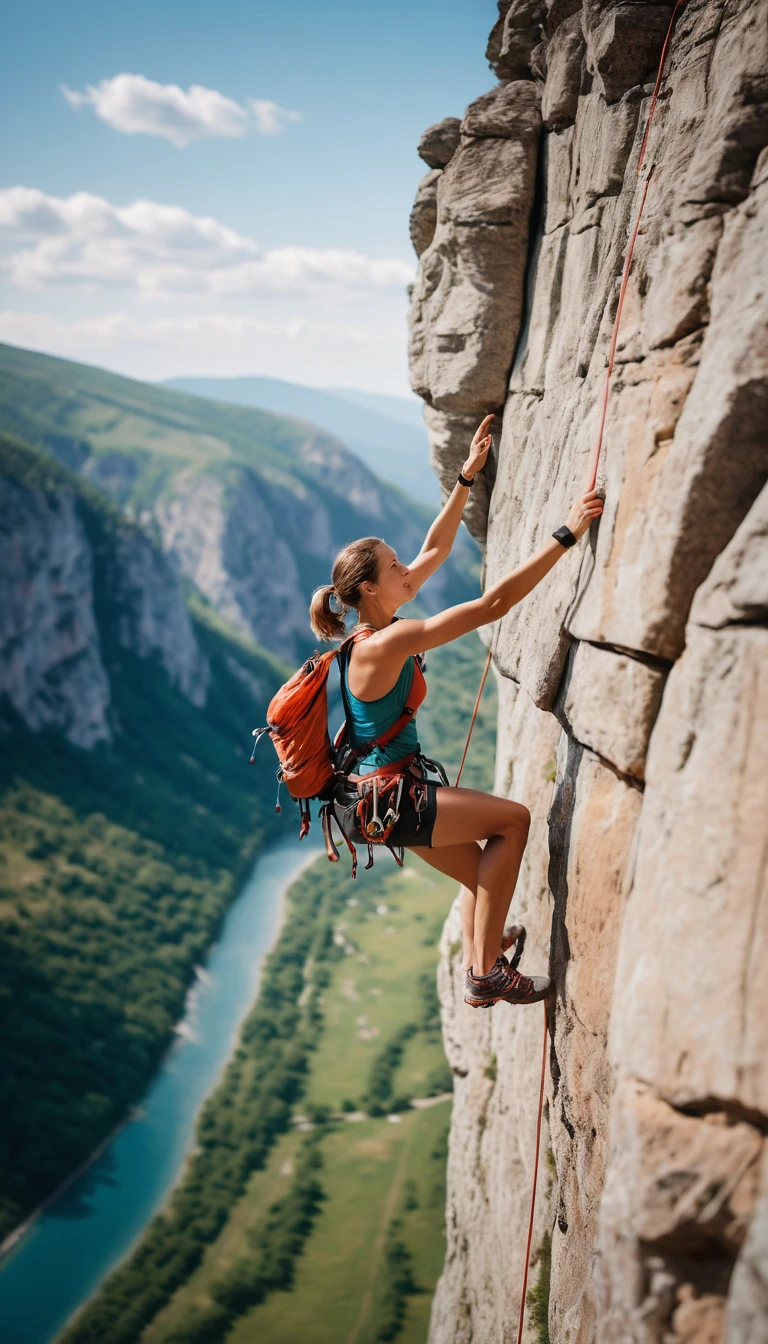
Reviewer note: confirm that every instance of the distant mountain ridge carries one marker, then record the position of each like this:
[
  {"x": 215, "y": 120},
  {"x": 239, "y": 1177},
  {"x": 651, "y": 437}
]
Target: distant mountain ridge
[
  {"x": 406, "y": 411},
  {"x": 388, "y": 433},
  {"x": 249, "y": 506}
]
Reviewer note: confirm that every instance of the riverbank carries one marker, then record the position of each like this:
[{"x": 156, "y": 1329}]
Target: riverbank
[
  {"x": 99, "y": 1217},
  {"x": 136, "y": 1112},
  {"x": 112, "y": 887},
  {"x": 362, "y": 957}
]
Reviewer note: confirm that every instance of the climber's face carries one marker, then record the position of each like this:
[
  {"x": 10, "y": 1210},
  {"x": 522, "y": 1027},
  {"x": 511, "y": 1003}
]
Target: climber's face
[{"x": 392, "y": 587}]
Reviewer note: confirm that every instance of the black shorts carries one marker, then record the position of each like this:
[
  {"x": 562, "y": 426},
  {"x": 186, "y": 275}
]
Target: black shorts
[
  {"x": 415, "y": 828},
  {"x": 412, "y": 829}
]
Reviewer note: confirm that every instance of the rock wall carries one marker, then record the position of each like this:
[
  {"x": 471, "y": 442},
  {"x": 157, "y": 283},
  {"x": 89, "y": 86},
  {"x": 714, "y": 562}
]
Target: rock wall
[
  {"x": 633, "y": 684},
  {"x": 56, "y": 559},
  {"x": 51, "y": 668}
]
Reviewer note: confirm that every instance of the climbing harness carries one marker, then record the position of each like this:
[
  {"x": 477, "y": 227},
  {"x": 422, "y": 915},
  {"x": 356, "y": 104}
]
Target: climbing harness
[
  {"x": 367, "y": 807},
  {"x": 358, "y": 802}
]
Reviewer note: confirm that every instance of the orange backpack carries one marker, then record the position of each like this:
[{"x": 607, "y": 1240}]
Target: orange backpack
[{"x": 297, "y": 722}]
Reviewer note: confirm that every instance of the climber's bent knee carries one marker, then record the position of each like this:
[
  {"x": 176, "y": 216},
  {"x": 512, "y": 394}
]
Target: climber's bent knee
[
  {"x": 521, "y": 823},
  {"x": 467, "y": 814}
]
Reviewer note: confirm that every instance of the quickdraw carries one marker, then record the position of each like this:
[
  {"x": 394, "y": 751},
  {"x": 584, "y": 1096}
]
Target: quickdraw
[{"x": 367, "y": 808}]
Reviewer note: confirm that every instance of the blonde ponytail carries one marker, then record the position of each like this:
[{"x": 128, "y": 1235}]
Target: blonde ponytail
[{"x": 358, "y": 563}]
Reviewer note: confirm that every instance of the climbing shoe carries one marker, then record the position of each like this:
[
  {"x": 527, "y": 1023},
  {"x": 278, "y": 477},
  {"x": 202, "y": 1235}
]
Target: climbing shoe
[{"x": 503, "y": 984}]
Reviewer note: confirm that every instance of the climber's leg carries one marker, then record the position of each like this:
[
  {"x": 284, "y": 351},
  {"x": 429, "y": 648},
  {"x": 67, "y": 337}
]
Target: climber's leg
[
  {"x": 464, "y": 815},
  {"x": 462, "y": 862}
]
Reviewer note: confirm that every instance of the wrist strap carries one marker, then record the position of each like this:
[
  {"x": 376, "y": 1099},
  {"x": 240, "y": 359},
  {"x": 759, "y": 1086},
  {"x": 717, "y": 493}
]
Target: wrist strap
[
  {"x": 463, "y": 481},
  {"x": 565, "y": 536}
]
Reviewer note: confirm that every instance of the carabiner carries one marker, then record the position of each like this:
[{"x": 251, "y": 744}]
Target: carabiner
[{"x": 374, "y": 829}]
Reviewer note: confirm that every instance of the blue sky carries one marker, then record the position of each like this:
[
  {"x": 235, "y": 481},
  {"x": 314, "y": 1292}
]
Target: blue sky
[{"x": 273, "y": 236}]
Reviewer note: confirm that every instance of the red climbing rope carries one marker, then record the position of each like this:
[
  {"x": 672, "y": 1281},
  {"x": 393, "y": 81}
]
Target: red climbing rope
[
  {"x": 657, "y": 85},
  {"x": 486, "y": 670},
  {"x": 595, "y": 459},
  {"x": 535, "y": 1177}
]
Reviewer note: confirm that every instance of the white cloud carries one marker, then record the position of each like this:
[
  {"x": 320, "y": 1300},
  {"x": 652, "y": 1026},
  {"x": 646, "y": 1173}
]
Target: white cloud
[
  {"x": 160, "y": 249},
  {"x": 269, "y": 117},
  {"x": 223, "y": 344},
  {"x": 168, "y": 331},
  {"x": 136, "y": 105}
]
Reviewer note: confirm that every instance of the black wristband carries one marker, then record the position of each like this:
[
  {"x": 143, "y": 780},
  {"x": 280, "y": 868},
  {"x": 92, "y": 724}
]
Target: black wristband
[
  {"x": 565, "y": 536},
  {"x": 463, "y": 481}
]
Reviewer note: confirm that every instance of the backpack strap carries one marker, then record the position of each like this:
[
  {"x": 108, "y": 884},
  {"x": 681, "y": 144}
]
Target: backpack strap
[{"x": 415, "y": 697}]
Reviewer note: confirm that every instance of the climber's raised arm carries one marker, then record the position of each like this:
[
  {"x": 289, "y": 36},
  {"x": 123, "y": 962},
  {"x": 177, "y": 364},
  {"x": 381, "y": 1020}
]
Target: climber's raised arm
[
  {"x": 416, "y": 636},
  {"x": 442, "y": 533}
]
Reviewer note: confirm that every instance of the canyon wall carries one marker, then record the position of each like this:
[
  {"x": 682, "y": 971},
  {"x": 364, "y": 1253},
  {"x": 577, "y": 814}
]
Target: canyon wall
[
  {"x": 69, "y": 570},
  {"x": 256, "y": 543},
  {"x": 633, "y": 682}
]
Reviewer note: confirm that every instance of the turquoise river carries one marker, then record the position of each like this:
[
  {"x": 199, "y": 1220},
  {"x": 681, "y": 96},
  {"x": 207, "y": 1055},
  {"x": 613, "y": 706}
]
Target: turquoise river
[{"x": 67, "y": 1250}]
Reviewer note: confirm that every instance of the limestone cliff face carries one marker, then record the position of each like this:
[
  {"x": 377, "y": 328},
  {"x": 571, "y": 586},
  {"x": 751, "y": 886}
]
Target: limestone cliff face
[
  {"x": 51, "y": 668},
  {"x": 152, "y": 617},
  {"x": 63, "y": 576},
  {"x": 633, "y": 682}
]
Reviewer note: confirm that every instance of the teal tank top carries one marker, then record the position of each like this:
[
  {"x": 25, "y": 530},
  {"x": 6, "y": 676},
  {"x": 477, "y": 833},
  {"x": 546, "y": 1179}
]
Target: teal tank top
[{"x": 367, "y": 719}]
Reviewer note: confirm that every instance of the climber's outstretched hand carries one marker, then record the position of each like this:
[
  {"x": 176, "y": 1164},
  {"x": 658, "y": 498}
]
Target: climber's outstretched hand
[
  {"x": 583, "y": 513},
  {"x": 478, "y": 450}
]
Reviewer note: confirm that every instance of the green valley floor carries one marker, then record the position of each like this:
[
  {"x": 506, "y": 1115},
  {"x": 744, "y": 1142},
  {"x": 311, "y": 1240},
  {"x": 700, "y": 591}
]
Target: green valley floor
[{"x": 336, "y": 1232}]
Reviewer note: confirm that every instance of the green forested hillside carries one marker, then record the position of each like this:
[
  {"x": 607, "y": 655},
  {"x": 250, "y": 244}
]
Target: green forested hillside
[
  {"x": 115, "y": 867},
  {"x": 251, "y": 507},
  {"x": 387, "y": 433},
  {"x": 117, "y": 863},
  {"x": 75, "y": 411}
]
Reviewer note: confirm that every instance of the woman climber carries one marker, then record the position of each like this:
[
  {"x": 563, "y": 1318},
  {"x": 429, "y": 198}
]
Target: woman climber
[{"x": 444, "y": 826}]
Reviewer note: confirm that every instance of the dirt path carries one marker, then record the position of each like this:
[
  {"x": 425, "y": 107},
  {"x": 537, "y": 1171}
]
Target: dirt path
[{"x": 386, "y": 1218}]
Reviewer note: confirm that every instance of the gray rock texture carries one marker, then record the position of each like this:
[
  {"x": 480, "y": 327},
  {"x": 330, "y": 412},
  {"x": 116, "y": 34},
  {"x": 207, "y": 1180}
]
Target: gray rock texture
[
  {"x": 423, "y": 221},
  {"x": 514, "y": 37},
  {"x": 51, "y": 667},
  {"x": 439, "y": 143},
  {"x": 633, "y": 708},
  {"x": 63, "y": 579},
  {"x": 152, "y": 618},
  {"x": 468, "y": 297}
]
